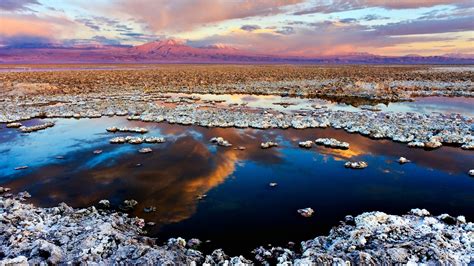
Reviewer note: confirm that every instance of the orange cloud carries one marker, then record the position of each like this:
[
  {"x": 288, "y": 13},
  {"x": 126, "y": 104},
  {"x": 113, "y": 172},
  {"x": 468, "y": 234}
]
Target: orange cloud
[
  {"x": 12, "y": 26},
  {"x": 186, "y": 15},
  {"x": 30, "y": 25}
]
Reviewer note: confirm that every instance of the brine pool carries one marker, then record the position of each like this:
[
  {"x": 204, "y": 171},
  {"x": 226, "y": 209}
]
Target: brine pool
[
  {"x": 424, "y": 105},
  {"x": 241, "y": 211}
]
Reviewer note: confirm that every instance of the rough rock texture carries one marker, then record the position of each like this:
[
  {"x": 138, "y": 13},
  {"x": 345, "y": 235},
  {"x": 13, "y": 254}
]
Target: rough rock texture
[
  {"x": 419, "y": 130},
  {"x": 61, "y": 234},
  {"x": 377, "y": 238},
  {"x": 373, "y": 82}
]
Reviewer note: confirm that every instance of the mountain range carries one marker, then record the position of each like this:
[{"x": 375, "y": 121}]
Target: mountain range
[{"x": 176, "y": 51}]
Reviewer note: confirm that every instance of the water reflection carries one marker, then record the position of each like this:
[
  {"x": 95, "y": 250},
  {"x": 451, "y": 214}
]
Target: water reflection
[
  {"x": 425, "y": 105},
  {"x": 240, "y": 205},
  {"x": 171, "y": 177},
  {"x": 448, "y": 159}
]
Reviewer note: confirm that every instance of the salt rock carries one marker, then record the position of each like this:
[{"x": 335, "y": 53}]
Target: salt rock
[
  {"x": 194, "y": 243},
  {"x": 129, "y": 204},
  {"x": 134, "y": 140},
  {"x": 149, "y": 209},
  {"x": 14, "y": 125},
  {"x": 104, "y": 204},
  {"x": 403, "y": 160},
  {"x": 154, "y": 140},
  {"x": 306, "y": 212},
  {"x": 333, "y": 143},
  {"x": 220, "y": 141},
  {"x": 416, "y": 144},
  {"x": 419, "y": 212},
  {"x": 305, "y": 144},
  {"x": 268, "y": 144},
  {"x": 24, "y": 129},
  {"x": 117, "y": 140},
  {"x": 356, "y": 165},
  {"x": 433, "y": 144},
  {"x": 145, "y": 150},
  {"x": 112, "y": 129},
  {"x": 468, "y": 146}
]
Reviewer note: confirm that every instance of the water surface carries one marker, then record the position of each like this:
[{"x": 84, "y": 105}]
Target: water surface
[
  {"x": 424, "y": 105},
  {"x": 240, "y": 211}
]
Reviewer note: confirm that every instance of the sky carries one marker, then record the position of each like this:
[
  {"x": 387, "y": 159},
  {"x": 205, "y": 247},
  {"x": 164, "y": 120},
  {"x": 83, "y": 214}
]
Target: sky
[{"x": 281, "y": 27}]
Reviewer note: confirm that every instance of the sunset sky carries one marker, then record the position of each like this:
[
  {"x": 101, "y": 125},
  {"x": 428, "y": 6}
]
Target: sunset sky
[{"x": 293, "y": 27}]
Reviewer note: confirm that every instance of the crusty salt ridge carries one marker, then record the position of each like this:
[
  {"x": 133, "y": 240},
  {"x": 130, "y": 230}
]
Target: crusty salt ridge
[
  {"x": 66, "y": 235},
  {"x": 377, "y": 238},
  {"x": 418, "y": 130}
]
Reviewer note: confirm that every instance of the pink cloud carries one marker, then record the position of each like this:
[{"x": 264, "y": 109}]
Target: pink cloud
[
  {"x": 323, "y": 6},
  {"x": 30, "y": 29},
  {"x": 165, "y": 15},
  {"x": 32, "y": 25},
  {"x": 334, "y": 37}
]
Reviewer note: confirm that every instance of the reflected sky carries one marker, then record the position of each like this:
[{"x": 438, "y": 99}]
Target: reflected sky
[
  {"x": 425, "y": 105},
  {"x": 240, "y": 205}
]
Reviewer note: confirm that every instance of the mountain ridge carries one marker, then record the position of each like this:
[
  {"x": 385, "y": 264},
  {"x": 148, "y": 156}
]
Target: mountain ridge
[{"x": 177, "y": 51}]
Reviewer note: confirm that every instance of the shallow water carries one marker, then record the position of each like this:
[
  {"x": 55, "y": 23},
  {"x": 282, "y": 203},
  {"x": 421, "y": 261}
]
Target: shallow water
[
  {"x": 240, "y": 211},
  {"x": 424, "y": 105}
]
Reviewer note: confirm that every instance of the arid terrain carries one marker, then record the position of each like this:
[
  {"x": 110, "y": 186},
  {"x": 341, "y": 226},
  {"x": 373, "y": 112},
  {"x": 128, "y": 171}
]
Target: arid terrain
[
  {"x": 295, "y": 80},
  {"x": 397, "y": 109}
]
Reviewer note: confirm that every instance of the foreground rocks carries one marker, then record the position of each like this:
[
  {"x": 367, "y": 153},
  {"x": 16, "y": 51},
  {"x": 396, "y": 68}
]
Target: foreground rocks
[
  {"x": 220, "y": 141},
  {"x": 356, "y": 165},
  {"x": 63, "y": 234},
  {"x": 377, "y": 238},
  {"x": 333, "y": 143},
  {"x": 46, "y": 125}
]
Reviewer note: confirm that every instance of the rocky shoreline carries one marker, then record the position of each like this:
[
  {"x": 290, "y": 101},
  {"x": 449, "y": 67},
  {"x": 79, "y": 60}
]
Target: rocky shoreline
[
  {"x": 62, "y": 234},
  {"x": 142, "y": 95},
  {"x": 416, "y": 129},
  {"x": 33, "y": 235}
]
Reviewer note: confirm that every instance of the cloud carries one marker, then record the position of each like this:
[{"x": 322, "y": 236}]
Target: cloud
[
  {"x": 96, "y": 40},
  {"x": 23, "y": 26},
  {"x": 30, "y": 28},
  {"x": 287, "y": 30},
  {"x": 250, "y": 27},
  {"x": 142, "y": 37},
  {"x": 348, "y": 20},
  {"x": 427, "y": 26},
  {"x": 334, "y": 37},
  {"x": 175, "y": 16},
  {"x": 372, "y": 17},
  {"x": 25, "y": 41},
  {"x": 15, "y": 5},
  {"x": 328, "y": 6},
  {"x": 89, "y": 23}
]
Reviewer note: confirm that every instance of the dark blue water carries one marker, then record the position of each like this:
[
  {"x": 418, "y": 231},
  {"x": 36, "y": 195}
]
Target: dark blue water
[{"x": 240, "y": 211}]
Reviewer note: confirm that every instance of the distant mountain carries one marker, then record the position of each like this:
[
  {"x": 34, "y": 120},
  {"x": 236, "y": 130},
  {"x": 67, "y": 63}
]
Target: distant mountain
[
  {"x": 176, "y": 51},
  {"x": 459, "y": 55}
]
